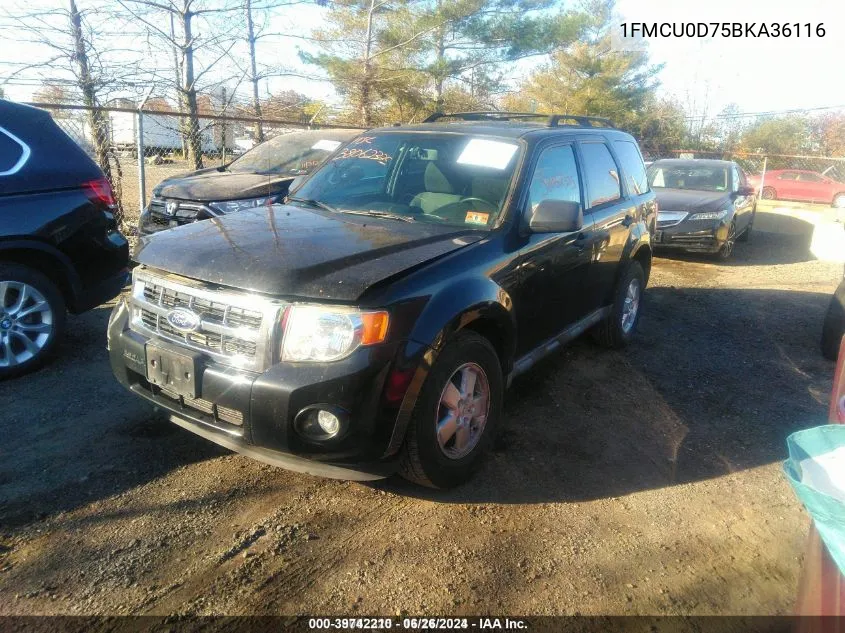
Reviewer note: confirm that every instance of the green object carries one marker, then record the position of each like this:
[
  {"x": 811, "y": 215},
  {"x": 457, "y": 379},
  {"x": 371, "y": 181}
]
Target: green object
[{"x": 816, "y": 470}]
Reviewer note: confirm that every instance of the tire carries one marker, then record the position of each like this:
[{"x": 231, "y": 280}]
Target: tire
[
  {"x": 838, "y": 201},
  {"x": 746, "y": 234},
  {"x": 724, "y": 253},
  {"x": 617, "y": 330},
  {"x": 41, "y": 313},
  {"x": 424, "y": 461},
  {"x": 834, "y": 324},
  {"x": 769, "y": 193}
]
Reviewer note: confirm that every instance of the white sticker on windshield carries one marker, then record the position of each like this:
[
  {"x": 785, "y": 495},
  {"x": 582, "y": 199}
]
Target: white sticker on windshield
[
  {"x": 326, "y": 145},
  {"x": 484, "y": 153}
]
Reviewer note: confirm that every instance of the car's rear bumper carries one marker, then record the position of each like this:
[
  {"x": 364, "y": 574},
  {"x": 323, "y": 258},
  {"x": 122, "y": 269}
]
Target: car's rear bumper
[
  {"x": 101, "y": 292},
  {"x": 256, "y": 413}
]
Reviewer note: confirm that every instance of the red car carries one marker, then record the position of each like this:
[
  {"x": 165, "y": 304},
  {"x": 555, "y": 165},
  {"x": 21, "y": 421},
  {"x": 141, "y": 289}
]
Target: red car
[{"x": 796, "y": 184}]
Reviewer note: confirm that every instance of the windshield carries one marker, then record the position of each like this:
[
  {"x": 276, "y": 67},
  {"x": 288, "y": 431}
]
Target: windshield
[
  {"x": 453, "y": 179},
  {"x": 698, "y": 178},
  {"x": 292, "y": 154}
]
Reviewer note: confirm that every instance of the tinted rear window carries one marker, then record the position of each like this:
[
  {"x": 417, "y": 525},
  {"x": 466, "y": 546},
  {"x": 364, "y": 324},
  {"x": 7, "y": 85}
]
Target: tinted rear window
[
  {"x": 601, "y": 173},
  {"x": 632, "y": 166}
]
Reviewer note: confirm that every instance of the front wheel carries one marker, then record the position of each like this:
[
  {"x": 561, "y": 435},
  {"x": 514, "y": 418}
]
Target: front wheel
[
  {"x": 457, "y": 414},
  {"x": 618, "y": 328},
  {"x": 726, "y": 250},
  {"x": 32, "y": 316},
  {"x": 769, "y": 193}
]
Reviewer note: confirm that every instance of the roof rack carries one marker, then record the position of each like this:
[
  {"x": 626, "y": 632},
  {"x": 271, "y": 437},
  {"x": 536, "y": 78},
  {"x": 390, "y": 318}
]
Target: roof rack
[{"x": 552, "y": 120}]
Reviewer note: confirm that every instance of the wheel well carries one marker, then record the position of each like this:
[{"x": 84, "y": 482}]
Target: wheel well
[
  {"x": 493, "y": 332},
  {"x": 643, "y": 256},
  {"x": 44, "y": 263}
]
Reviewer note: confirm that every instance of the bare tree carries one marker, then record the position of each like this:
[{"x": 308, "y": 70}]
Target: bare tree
[
  {"x": 215, "y": 46},
  {"x": 258, "y": 16},
  {"x": 78, "y": 60}
]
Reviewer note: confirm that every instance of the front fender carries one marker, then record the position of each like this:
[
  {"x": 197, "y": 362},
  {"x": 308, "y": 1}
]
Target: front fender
[
  {"x": 460, "y": 303},
  {"x": 479, "y": 304}
]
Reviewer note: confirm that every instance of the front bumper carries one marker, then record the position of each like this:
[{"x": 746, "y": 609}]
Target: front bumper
[
  {"x": 695, "y": 236},
  {"x": 255, "y": 413}
]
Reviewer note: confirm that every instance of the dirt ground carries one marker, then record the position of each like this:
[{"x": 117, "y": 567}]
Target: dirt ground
[{"x": 639, "y": 482}]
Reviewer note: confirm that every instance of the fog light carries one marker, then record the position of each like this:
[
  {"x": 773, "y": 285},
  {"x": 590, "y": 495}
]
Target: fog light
[
  {"x": 321, "y": 423},
  {"x": 329, "y": 422}
]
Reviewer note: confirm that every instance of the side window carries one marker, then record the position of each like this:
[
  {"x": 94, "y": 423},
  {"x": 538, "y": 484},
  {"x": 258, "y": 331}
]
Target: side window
[
  {"x": 632, "y": 165},
  {"x": 788, "y": 175},
  {"x": 555, "y": 177},
  {"x": 601, "y": 173},
  {"x": 736, "y": 178},
  {"x": 808, "y": 177},
  {"x": 12, "y": 153}
]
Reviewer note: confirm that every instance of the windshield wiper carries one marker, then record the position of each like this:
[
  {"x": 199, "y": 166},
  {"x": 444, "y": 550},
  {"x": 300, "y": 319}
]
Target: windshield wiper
[
  {"x": 314, "y": 203},
  {"x": 381, "y": 214}
]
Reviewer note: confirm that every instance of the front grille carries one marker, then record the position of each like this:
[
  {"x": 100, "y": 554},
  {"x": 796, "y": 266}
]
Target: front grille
[
  {"x": 221, "y": 313},
  {"x": 234, "y": 328},
  {"x": 666, "y": 219},
  {"x": 186, "y": 212}
]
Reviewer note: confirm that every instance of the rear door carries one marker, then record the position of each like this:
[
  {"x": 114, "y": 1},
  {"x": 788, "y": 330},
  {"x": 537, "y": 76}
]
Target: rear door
[
  {"x": 552, "y": 266},
  {"x": 611, "y": 214}
]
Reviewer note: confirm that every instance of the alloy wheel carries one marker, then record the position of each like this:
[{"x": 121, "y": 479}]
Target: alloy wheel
[
  {"x": 631, "y": 306},
  {"x": 463, "y": 410},
  {"x": 728, "y": 246},
  {"x": 26, "y": 323}
]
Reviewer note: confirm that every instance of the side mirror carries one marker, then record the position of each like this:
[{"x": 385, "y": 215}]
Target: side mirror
[
  {"x": 557, "y": 216},
  {"x": 745, "y": 191}
]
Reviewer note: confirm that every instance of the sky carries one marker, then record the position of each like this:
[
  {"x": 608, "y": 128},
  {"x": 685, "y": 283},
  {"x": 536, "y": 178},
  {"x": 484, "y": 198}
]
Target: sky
[{"x": 759, "y": 75}]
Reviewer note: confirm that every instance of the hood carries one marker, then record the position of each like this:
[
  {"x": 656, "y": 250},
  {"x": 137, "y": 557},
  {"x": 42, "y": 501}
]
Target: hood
[
  {"x": 691, "y": 201},
  {"x": 290, "y": 251},
  {"x": 210, "y": 185}
]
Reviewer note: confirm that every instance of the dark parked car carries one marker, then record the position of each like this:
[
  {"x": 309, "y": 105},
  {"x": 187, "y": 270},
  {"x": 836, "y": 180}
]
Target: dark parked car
[
  {"x": 374, "y": 321},
  {"x": 259, "y": 177},
  {"x": 706, "y": 206},
  {"x": 59, "y": 244}
]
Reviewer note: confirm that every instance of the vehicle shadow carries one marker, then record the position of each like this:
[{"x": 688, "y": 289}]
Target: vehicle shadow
[
  {"x": 776, "y": 239},
  {"x": 714, "y": 383},
  {"x": 73, "y": 435}
]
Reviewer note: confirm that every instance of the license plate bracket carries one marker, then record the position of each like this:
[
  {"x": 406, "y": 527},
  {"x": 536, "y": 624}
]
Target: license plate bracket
[{"x": 174, "y": 369}]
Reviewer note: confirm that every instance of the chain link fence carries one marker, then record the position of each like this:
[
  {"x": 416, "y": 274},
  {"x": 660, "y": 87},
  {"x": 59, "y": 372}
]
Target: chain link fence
[{"x": 137, "y": 149}]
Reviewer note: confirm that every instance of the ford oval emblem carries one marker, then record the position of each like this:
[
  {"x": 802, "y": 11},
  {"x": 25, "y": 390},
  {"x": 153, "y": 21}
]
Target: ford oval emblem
[{"x": 183, "y": 320}]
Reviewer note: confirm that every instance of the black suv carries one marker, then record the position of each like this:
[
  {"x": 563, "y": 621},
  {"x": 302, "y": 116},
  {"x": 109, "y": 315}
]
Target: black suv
[
  {"x": 59, "y": 244},
  {"x": 260, "y": 177},
  {"x": 373, "y": 322}
]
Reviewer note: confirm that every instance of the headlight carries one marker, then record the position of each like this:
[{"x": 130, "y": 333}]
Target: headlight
[
  {"x": 709, "y": 215},
  {"x": 231, "y": 206},
  {"x": 327, "y": 333}
]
